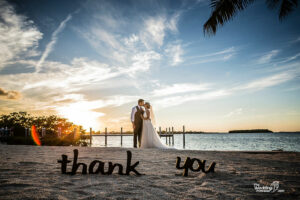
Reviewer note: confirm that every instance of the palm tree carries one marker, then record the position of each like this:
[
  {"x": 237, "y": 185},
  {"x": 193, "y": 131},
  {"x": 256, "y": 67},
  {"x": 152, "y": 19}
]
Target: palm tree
[{"x": 224, "y": 10}]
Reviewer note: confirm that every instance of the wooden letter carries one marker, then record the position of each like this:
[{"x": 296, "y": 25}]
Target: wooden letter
[
  {"x": 76, "y": 165},
  {"x": 130, "y": 167},
  {"x": 64, "y": 162}
]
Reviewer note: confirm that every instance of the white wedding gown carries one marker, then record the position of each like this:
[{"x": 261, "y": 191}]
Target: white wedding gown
[{"x": 150, "y": 139}]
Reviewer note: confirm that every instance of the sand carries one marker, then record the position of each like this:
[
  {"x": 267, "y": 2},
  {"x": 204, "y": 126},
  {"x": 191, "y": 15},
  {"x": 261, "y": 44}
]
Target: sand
[{"x": 32, "y": 172}]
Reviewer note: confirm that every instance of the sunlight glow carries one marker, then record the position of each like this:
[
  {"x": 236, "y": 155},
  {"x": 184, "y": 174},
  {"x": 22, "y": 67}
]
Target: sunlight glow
[{"x": 81, "y": 113}]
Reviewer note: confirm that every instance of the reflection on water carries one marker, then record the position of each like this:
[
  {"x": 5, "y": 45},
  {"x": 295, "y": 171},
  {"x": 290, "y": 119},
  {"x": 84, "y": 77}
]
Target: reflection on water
[{"x": 220, "y": 141}]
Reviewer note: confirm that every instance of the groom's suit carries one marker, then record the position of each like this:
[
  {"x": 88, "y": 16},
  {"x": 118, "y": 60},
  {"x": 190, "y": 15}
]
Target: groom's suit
[{"x": 138, "y": 123}]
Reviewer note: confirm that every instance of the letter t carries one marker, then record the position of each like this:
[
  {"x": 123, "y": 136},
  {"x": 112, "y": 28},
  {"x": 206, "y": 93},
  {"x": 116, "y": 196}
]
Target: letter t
[{"x": 64, "y": 162}]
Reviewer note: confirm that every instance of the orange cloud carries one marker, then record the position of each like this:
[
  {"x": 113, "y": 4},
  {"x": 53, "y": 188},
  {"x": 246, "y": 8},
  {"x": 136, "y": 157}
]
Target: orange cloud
[{"x": 14, "y": 95}]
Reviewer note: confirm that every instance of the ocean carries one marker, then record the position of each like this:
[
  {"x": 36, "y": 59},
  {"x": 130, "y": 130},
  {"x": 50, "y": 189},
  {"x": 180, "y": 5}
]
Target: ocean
[{"x": 219, "y": 141}]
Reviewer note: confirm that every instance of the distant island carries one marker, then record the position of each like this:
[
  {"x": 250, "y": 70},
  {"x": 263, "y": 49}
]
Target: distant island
[{"x": 251, "y": 131}]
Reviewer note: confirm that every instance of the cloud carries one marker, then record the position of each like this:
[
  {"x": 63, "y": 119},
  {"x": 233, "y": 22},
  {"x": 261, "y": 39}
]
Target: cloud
[
  {"x": 268, "y": 56},
  {"x": 131, "y": 40},
  {"x": 295, "y": 40},
  {"x": 80, "y": 72},
  {"x": 214, "y": 93},
  {"x": 141, "y": 46},
  {"x": 18, "y": 36},
  {"x": 155, "y": 28},
  {"x": 222, "y": 55},
  {"x": 141, "y": 62},
  {"x": 293, "y": 88},
  {"x": 268, "y": 81},
  {"x": 154, "y": 31},
  {"x": 175, "y": 52},
  {"x": 12, "y": 95},
  {"x": 172, "y": 23},
  {"x": 179, "y": 88},
  {"x": 229, "y": 50},
  {"x": 70, "y": 81},
  {"x": 138, "y": 49},
  {"x": 235, "y": 112},
  {"x": 178, "y": 100},
  {"x": 107, "y": 44},
  {"x": 291, "y": 58},
  {"x": 50, "y": 45}
]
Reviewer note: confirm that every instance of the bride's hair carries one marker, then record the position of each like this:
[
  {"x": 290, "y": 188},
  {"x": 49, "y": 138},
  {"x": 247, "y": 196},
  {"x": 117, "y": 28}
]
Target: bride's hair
[
  {"x": 152, "y": 116},
  {"x": 147, "y": 104}
]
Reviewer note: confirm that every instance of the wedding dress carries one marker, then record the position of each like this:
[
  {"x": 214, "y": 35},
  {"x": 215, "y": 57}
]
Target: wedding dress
[{"x": 150, "y": 139}]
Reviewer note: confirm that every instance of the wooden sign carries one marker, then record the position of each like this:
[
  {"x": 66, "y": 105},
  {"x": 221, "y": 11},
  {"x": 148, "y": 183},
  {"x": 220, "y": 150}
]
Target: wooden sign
[
  {"x": 188, "y": 164},
  {"x": 97, "y": 166}
]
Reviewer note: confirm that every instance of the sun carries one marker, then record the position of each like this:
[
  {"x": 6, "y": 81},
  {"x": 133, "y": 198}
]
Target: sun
[{"x": 81, "y": 113}]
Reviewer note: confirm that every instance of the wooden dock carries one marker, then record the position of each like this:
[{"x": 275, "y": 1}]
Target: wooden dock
[{"x": 169, "y": 135}]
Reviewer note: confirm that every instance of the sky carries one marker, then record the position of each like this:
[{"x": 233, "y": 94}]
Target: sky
[{"x": 90, "y": 61}]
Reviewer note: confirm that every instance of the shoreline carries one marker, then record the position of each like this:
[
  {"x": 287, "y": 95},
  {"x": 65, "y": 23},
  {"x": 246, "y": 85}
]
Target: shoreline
[
  {"x": 131, "y": 148},
  {"x": 130, "y": 134},
  {"x": 177, "y": 149},
  {"x": 32, "y": 172}
]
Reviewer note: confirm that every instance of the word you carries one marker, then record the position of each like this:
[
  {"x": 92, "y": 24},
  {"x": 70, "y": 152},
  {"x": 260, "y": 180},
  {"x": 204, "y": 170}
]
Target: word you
[
  {"x": 93, "y": 169},
  {"x": 188, "y": 164}
]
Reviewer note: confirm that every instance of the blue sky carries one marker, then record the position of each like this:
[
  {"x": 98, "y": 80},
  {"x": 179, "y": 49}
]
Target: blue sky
[{"x": 90, "y": 61}]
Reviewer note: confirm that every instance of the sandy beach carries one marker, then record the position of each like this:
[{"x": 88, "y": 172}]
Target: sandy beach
[{"x": 32, "y": 172}]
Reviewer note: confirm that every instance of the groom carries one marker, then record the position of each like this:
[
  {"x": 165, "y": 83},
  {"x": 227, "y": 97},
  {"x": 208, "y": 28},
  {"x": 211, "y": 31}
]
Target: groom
[{"x": 137, "y": 122}]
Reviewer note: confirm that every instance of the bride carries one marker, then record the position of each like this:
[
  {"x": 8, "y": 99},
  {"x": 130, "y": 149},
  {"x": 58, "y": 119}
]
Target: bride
[{"x": 150, "y": 138}]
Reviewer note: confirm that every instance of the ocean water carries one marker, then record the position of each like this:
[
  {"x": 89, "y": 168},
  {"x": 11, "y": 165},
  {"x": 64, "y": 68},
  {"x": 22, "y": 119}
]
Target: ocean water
[{"x": 219, "y": 141}]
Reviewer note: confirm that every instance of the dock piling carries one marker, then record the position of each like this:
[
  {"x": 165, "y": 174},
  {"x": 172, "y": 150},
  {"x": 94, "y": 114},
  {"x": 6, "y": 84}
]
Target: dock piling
[
  {"x": 183, "y": 133},
  {"x": 169, "y": 136},
  {"x": 172, "y": 135},
  {"x": 90, "y": 137},
  {"x": 105, "y": 136},
  {"x": 159, "y": 131},
  {"x": 121, "y": 136},
  {"x": 166, "y": 136}
]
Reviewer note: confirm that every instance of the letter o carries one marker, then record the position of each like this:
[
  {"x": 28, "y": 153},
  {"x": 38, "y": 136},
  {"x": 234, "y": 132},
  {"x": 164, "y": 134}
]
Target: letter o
[{"x": 199, "y": 165}]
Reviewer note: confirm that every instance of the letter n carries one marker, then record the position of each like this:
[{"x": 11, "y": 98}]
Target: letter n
[{"x": 111, "y": 168}]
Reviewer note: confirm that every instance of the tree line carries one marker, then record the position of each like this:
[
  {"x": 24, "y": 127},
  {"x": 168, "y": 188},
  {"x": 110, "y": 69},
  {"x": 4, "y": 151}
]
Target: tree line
[{"x": 18, "y": 122}]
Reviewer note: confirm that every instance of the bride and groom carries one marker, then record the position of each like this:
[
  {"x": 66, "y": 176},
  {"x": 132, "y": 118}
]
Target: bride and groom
[{"x": 142, "y": 118}]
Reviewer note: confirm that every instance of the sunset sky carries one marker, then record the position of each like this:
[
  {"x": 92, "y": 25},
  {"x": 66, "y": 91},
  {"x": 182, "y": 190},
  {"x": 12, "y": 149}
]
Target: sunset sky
[{"x": 90, "y": 61}]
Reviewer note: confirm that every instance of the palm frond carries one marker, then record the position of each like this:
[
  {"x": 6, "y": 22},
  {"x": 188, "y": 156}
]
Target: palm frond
[
  {"x": 287, "y": 6},
  {"x": 272, "y": 4},
  {"x": 223, "y": 11}
]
